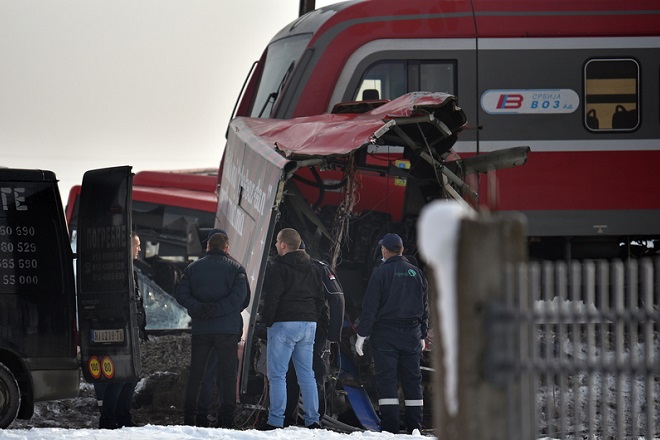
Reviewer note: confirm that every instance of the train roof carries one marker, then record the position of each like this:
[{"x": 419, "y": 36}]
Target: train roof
[{"x": 478, "y": 19}]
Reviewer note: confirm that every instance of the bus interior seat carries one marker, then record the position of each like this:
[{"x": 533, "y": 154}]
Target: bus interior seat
[
  {"x": 624, "y": 119},
  {"x": 167, "y": 275},
  {"x": 370, "y": 94},
  {"x": 592, "y": 120}
]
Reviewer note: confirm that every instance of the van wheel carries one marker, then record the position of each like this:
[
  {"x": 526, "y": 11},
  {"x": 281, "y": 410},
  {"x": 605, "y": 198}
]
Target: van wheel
[{"x": 10, "y": 397}]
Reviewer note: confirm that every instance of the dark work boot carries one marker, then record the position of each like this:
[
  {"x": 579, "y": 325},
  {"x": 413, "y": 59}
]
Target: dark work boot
[
  {"x": 226, "y": 417},
  {"x": 107, "y": 423}
]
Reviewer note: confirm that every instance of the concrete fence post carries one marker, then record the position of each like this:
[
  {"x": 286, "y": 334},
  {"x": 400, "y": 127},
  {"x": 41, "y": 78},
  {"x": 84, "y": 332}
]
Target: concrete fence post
[{"x": 484, "y": 410}]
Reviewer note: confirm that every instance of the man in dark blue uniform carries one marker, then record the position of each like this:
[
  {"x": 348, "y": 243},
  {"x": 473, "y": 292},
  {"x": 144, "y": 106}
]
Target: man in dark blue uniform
[
  {"x": 213, "y": 290},
  {"x": 395, "y": 314},
  {"x": 206, "y": 393}
]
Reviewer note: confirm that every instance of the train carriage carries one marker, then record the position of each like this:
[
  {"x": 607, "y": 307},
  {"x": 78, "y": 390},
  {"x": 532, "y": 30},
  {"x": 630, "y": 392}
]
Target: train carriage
[{"x": 568, "y": 88}]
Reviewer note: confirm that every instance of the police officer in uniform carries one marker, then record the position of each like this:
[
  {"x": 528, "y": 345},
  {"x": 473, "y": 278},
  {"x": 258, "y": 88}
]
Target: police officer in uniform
[{"x": 394, "y": 317}]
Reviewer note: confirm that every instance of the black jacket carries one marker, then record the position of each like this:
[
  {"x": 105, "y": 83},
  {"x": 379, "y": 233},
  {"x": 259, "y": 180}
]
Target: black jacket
[
  {"x": 213, "y": 290},
  {"x": 293, "y": 290},
  {"x": 141, "y": 314}
]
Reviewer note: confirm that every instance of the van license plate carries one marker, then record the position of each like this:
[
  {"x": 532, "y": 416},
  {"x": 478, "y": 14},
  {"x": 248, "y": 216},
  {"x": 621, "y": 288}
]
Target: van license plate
[{"x": 103, "y": 336}]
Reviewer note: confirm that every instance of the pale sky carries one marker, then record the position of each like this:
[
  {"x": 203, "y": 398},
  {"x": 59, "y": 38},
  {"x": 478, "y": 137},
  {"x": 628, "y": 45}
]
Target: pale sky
[{"x": 88, "y": 83}]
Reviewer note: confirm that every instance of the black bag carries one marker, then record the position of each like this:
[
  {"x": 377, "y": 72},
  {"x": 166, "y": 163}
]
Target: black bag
[{"x": 334, "y": 297}]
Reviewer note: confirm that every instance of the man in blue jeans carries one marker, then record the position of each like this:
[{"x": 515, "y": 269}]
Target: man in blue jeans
[{"x": 293, "y": 304}]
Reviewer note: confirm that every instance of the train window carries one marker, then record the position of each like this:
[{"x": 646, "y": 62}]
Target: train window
[
  {"x": 393, "y": 78},
  {"x": 611, "y": 88}
]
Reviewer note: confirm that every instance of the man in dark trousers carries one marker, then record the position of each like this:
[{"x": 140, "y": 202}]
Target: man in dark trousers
[
  {"x": 213, "y": 290},
  {"x": 395, "y": 313},
  {"x": 293, "y": 303},
  {"x": 206, "y": 393},
  {"x": 116, "y": 399}
]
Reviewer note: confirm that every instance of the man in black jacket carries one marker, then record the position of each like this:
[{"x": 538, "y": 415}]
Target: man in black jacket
[
  {"x": 328, "y": 329},
  {"x": 213, "y": 290},
  {"x": 293, "y": 304},
  {"x": 395, "y": 314}
]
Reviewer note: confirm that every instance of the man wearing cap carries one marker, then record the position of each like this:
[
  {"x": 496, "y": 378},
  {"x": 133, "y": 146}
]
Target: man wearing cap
[
  {"x": 213, "y": 290},
  {"x": 394, "y": 317}
]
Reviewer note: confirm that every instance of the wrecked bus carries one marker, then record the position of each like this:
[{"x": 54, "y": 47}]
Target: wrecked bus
[{"x": 271, "y": 179}]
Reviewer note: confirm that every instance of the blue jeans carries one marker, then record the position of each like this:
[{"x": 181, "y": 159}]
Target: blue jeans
[{"x": 291, "y": 340}]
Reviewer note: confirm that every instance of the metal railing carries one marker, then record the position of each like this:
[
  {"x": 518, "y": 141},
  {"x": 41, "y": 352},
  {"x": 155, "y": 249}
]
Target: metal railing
[{"x": 576, "y": 348}]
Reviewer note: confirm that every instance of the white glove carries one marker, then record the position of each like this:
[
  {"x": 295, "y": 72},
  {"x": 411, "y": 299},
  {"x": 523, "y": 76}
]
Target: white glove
[
  {"x": 359, "y": 344},
  {"x": 422, "y": 344}
]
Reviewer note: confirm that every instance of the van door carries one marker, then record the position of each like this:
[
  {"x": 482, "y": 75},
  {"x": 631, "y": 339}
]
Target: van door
[
  {"x": 107, "y": 311},
  {"x": 37, "y": 295}
]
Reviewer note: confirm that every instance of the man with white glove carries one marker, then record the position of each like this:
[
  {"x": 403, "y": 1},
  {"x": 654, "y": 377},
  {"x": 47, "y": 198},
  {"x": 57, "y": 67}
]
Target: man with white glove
[
  {"x": 395, "y": 313},
  {"x": 359, "y": 345}
]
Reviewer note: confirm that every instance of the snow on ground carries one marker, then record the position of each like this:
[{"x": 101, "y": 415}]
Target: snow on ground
[{"x": 157, "y": 432}]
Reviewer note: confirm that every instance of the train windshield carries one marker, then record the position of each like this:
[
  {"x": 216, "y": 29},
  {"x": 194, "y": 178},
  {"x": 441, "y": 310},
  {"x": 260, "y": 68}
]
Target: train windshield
[{"x": 281, "y": 57}]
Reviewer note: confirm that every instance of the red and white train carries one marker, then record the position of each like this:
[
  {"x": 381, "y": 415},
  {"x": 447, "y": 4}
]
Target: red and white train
[{"x": 576, "y": 81}]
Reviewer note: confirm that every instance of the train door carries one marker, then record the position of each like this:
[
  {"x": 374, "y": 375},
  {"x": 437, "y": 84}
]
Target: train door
[{"x": 107, "y": 311}]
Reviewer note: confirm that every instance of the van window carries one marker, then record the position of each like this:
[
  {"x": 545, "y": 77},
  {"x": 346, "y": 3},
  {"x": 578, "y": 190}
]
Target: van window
[
  {"x": 611, "y": 88},
  {"x": 393, "y": 78}
]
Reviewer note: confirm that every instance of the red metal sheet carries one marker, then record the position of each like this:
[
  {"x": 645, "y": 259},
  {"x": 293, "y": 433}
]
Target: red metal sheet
[{"x": 335, "y": 134}]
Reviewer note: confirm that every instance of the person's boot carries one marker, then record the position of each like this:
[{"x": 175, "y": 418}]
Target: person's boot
[
  {"x": 226, "y": 417},
  {"x": 107, "y": 423},
  {"x": 129, "y": 423}
]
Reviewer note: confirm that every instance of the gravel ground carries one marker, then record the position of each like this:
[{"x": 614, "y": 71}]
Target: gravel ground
[{"x": 158, "y": 398}]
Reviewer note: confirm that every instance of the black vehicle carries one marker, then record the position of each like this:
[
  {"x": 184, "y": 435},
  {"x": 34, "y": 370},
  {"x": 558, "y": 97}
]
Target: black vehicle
[
  {"x": 38, "y": 295},
  {"x": 38, "y": 358}
]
